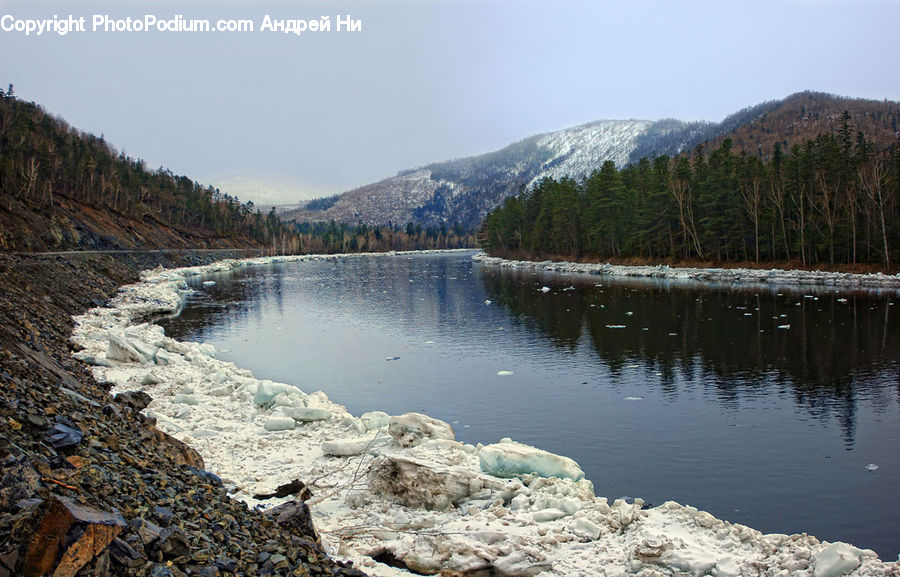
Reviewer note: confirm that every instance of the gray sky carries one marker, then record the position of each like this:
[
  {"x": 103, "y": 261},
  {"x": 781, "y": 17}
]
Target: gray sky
[{"x": 272, "y": 116}]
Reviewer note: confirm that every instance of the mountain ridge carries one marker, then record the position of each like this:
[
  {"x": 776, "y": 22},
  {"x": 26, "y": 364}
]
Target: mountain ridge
[{"x": 464, "y": 190}]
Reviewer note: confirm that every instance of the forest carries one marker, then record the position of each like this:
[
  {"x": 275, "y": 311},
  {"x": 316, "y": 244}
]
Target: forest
[
  {"x": 43, "y": 160},
  {"x": 830, "y": 200}
]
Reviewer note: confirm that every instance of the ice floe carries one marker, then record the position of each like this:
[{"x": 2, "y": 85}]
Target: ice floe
[
  {"x": 878, "y": 281},
  {"x": 401, "y": 486}
]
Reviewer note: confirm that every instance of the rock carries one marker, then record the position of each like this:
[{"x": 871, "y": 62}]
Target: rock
[
  {"x": 295, "y": 487},
  {"x": 173, "y": 543},
  {"x": 177, "y": 452},
  {"x": 68, "y": 536},
  {"x": 63, "y": 436},
  {"x": 124, "y": 554},
  {"x": 509, "y": 459},
  {"x": 137, "y": 400},
  {"x": 412, "y": 429},
  {"x": 226, "y": 564},
  {"x": 295, "y": 516},
  {"x": 18, "y": 481}
]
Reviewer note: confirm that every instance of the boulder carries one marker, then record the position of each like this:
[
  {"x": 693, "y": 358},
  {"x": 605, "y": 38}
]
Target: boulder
[{"x": 68, "y": 536}]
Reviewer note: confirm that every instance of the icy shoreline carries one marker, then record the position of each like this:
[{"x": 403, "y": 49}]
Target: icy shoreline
[
  {"x": 401, "y": 485},
  {"x": 773, "y": 277}
]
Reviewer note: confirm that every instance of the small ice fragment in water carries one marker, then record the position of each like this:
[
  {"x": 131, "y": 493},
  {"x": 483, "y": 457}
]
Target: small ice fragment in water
[
  {"x": 545, "y": 289},
  {"x": 209, "y": 282},
  {"x": 504, "y": 373},
  {"x": 487, "y": 302},
  {"x": 748, "y": 314},
  {"x": 615, "y": 326},
  {"x": 871, "y": 467},
  {"x": 785, "y": 327},
  {"x": 429, "y": 342},
  {"x": 629, "y": 313},
  {"x": 634, "y": 398},
  {"x": 392, "y": 358},
  {"x": 842, "y": 300}
]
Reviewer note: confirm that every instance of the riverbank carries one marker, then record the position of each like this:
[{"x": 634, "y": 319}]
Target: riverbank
[
  {"x": 398, "y": 490},
  {"x": 769, "y": 277},
  {"x": 88, "y": 485}
]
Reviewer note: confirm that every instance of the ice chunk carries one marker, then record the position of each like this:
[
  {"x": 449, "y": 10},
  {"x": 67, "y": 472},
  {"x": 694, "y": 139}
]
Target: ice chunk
[
  {"x": 411, "y": 429},
  {"x": 279, "y": 424},
  {"x": 126, "y": 350},
  {"x": 836, "y": 559},
  {"x": 164, "y": 357},
  {"x": 151, "y": 379},
  {"x": 207, "y": 349},
  {"x": 585, "y": 528},
  {"x": 504, "y": 373},
  {"x": 545, "y": 289},
  {"x": 509, "y": 459},
  {"x": 871, "y": 467},
  {"x": 347, "y": 447},
  {"x": 185, "y": 400},
  {"x": 784, "y": 327},
  {"x": 307, "y": 414},
  {"x": 375, "y": 420},
  {"x": 418, "y": 484},
  {"x": 267, "y": 390},
  {"x": 545, "y": 515}
]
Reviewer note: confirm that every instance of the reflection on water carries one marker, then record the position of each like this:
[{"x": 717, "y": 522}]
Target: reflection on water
[
  {"x": 659, "y": 389},
  {"x": 825, "y": 348}
]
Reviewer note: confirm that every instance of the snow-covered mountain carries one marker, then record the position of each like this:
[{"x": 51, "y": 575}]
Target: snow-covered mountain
[{"x": 465, "y": 190}]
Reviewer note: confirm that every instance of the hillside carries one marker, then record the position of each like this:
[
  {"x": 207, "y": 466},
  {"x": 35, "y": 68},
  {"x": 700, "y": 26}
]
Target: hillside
[
  {"x": 62, "y": 189},
  {"x": 465, "y": 190}
]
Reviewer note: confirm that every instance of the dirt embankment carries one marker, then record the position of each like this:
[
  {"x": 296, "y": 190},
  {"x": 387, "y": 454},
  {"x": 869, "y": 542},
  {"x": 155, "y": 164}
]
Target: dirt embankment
[
  {"x": 66, "y": 224},
  {"x": 88, "y": 486}
]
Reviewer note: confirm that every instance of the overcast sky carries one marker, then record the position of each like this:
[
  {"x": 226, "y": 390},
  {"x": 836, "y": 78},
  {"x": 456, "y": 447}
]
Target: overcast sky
[{"x": 272, "y": 116}]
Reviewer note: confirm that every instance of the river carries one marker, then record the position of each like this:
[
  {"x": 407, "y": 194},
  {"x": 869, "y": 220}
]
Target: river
[{"x": 764, "y": 406}]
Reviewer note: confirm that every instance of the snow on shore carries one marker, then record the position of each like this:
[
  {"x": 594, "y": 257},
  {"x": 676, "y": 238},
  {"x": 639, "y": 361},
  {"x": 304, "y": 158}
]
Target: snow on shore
[
  {"x": 400, "y": 486},
  {"x": 774, "y": 277}
]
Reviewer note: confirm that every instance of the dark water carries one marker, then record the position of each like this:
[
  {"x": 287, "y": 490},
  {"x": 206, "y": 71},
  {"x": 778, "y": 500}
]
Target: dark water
[{"x": 700, "y": 398}]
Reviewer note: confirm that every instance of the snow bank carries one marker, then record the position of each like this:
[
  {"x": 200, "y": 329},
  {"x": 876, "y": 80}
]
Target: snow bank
[
  {"x": 402, "y": 485},
  {"x": 774, "y": 277}
]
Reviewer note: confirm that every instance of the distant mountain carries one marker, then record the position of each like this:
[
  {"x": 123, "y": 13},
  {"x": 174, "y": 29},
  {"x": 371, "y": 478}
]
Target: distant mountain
[{"x": 465, "y": 190}]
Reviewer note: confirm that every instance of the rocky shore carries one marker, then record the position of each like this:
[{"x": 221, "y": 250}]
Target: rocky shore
[{"x": 89, "y": 485}]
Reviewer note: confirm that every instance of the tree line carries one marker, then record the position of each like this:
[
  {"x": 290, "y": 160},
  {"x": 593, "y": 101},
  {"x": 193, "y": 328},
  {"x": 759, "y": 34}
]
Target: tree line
[
  {"x": 833, "y": 199},
  {"x": 333, "y": 237},
  {"x": 42, "y": 159}
]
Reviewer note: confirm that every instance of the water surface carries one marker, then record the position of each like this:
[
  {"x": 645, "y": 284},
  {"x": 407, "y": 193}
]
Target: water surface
[{"x": 659, "y": 389}]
